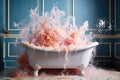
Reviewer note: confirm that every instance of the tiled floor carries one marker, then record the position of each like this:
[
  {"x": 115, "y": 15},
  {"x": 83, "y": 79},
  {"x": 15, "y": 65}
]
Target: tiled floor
[{"x": 92, "y": 73}]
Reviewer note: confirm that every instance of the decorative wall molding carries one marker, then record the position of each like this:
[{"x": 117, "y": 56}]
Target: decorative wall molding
[
  {"x": 115, "y": 48},
  {"x": 43, "y": 4},
  {"x": 8, "y": 23},
  {"x": 107, "y": 36},
  {"x": 94, "y": 36},
  {"x": 115, "y": 16},
  {"x": 108, "y": 14},
  {"x": 4, "y": 49},
  {"x": 73, "y": 4},
  {"x": 9, "y": 54},
  {"x": 109, "y": 54},
  {"x": 4, "y": 12},
  {"x": 43, "y": 12},
  {"x": 37, "y": 5},
  {"x": 42, "y": 7},
  {"x": 10, "y": 62}
]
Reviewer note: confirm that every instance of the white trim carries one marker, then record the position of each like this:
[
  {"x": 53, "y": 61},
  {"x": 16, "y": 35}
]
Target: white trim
[
  {"x": 5, "y": 66},
  {"x": 94, "y": 36},
  {"x": 4, "y": 13},
  {"x": 42, "y": 7},
  {"x": 38, "y": 5},
  {"x": 68, "y": 7},
  {"x": 9, "y": 15},
  {"x": 9, "y": 19},
  {"x": 73, "y": 14},
  {"x": 9, "y": 67},
  {"x": 4, "y": 49},
  {"x": 9, "y": 55}
]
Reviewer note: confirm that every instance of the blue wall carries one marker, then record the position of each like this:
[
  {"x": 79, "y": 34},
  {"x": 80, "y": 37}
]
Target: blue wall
[
  {"x": 91, "y": 10},
  {"x": 1, "y": 39}
]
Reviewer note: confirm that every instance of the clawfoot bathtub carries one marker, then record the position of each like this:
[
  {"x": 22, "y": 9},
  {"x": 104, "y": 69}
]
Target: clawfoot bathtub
[{"x": 40, "y": 58}]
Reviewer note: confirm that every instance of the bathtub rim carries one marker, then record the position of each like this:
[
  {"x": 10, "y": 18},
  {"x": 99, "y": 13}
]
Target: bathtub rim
[{"x": 32, "y": 46}]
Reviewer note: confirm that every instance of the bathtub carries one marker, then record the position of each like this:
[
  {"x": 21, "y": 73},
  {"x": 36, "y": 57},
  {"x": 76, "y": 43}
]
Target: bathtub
[{"x": 40, "y": 58}]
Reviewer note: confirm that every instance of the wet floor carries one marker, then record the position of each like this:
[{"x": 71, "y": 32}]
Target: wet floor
[{"x": 92, "y": 73}]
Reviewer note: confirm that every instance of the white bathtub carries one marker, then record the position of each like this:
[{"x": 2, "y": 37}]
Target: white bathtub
[{"x": 39, "y": 58}]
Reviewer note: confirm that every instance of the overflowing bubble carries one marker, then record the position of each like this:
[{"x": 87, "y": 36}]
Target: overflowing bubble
[
  {"x": 53, "y": 29},
  {"x": 103, "y": 25},
  {"x": 56, "y": 31}
]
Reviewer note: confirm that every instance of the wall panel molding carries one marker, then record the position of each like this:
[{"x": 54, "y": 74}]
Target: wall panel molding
[
  {"x": 115, "y": 48},
  {"x": 4, "y": 12},
  {"x": 67, "y": 5},
  {"x": 11, "y": 63},
  {"x": 9, "y": 49},
  {"x": 94, "y": 36},
  {"x": 109, "y": 45},
  {"x": 4, "y": 47},
  {"x": 73, "y": 1},
  {"x": 115, "y": 16},
  {"x": 43, "y": 7},
  {"x": 9, "y": 15},
  {"x": 73, "y": 4},
  {"x": 8, "y": 42}
]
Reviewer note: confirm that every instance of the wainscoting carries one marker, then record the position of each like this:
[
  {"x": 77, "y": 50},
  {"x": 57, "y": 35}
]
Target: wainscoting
[{"x": 107, "y": 53}]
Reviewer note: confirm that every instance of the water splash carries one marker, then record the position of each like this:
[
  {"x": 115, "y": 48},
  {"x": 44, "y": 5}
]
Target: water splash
[
  {"x": 103, "y": 25},
  {"x": 61, "y": 30},
  {"x": 53, "y": 30}
]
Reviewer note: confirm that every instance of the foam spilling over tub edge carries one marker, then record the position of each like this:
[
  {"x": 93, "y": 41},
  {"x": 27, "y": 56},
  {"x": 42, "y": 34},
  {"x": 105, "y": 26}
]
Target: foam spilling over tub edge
[{"x": 32, "y": 46}]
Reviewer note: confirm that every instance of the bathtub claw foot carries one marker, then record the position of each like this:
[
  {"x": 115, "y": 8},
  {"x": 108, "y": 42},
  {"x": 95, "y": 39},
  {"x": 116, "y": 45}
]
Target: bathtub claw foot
[
  {"x": 82, "y": 73},
  {"x": 36, "y": 68},
  {"x": 81, "y": 68},
  {"x": 36, "y": 72}
]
